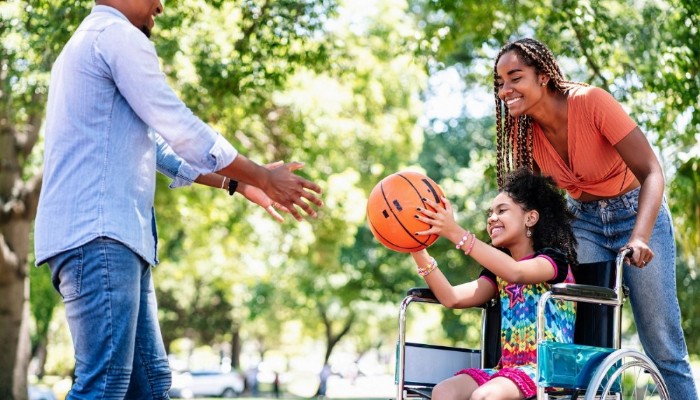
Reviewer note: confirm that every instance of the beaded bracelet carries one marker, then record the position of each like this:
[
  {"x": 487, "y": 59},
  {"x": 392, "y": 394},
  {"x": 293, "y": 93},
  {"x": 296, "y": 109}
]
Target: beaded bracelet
[
  {"x": 471, "y": 246},
  {"x": 424, "y": 271},
  {"x": 463, "y": 240}
]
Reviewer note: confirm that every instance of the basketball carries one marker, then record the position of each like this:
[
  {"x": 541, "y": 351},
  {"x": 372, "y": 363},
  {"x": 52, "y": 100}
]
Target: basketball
[{"x": 391, "y": 210}]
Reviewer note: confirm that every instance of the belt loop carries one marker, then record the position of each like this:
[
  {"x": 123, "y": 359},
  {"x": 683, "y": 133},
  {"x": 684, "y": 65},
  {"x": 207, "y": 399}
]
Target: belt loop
[
  {"x": 626, "y": 200},
  {"x": 630, "y": 197}
]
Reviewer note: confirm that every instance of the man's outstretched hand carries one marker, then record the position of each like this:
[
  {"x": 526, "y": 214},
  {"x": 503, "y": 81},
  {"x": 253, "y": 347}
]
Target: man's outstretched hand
[{"x": 288, "y": 190}]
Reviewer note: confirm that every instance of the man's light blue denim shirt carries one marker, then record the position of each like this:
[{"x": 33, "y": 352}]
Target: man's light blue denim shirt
[{"x": 107, "y": 99}]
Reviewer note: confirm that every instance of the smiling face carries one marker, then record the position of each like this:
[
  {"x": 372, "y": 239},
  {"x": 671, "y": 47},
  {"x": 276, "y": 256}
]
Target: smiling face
[
  {"x": 519, "y": 86},
  {"x": 508, "y": 221}
]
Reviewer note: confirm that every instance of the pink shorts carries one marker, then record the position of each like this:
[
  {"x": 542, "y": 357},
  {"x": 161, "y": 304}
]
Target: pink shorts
[{"x": 521, "y": 379}]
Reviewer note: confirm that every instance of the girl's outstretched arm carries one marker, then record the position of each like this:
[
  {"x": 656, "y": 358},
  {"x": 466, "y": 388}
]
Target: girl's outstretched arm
[
  {"x": 469, "y": 294},
  {"x": 533, "y": 270}
]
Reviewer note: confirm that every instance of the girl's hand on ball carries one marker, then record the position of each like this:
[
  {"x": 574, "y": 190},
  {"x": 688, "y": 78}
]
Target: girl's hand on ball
[{"x": 440, "y": 218}]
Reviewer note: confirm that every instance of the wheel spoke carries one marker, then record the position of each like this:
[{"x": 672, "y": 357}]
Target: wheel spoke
[{"x": 627, "y": 375}]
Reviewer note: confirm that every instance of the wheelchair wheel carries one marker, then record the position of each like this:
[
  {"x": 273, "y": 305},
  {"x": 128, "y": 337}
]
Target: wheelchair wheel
[{"x": 627, "y": 375}]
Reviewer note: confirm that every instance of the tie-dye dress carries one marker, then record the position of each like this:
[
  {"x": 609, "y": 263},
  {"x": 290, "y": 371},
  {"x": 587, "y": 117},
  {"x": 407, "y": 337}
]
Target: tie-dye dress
[{"x": 519, "y": 323}]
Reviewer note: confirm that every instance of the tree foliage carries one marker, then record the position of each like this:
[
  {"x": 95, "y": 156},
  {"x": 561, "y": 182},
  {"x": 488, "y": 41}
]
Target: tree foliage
[
  {"x": 340, "y": 86},
  {"x": 347, "y": 110}
]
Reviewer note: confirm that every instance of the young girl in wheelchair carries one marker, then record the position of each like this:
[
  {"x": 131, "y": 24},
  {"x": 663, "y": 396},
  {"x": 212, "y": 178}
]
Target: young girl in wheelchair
[{"x": 532, "y": 247}]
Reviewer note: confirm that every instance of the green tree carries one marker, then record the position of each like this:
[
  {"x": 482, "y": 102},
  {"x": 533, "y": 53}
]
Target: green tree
[
  {"x": 43, "y": 302},
  {"x": 365, "y": 131},
  {"x": 230, "y": 78},
  {"x": 685, "y": 206},
  {"x": 352, "y": 122}
]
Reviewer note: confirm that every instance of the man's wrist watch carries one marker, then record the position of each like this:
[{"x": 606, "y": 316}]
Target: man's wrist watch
[{"x": 232, "y": 186}]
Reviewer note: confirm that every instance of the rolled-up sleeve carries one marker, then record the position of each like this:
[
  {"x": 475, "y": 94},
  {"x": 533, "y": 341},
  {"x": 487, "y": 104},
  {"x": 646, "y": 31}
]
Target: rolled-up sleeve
[
  {"x": 137, "y": 74},
  {"x": 171, "y": 165}
]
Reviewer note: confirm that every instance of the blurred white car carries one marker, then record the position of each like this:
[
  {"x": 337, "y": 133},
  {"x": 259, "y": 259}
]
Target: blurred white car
[{"x": 191, "y": 384}]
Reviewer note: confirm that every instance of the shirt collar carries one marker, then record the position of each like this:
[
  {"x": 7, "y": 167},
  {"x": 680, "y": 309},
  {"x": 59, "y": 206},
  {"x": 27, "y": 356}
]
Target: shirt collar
[{"x": 110, "y": 10}]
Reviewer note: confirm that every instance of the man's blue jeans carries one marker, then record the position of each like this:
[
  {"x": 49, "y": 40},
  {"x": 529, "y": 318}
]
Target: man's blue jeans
[
  {"x": 112, "y": 315},
  {"x": 602, "y": 228}
]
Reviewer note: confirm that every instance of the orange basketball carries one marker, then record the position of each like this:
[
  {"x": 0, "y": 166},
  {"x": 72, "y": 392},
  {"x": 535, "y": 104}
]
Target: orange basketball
[{"x": 391, "y": 210}]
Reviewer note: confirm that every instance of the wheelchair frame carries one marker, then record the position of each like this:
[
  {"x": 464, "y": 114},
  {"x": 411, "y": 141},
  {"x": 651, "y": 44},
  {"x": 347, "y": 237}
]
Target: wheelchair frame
[
  {"x": 601, "y": 379},
  {"x": 489, "y": 356}
]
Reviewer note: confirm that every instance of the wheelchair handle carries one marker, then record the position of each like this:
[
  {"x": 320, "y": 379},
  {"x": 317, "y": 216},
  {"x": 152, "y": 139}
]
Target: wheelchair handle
[
  {"x": 627, "y": 251},
  {"x": 613, "y": 297},
  {"x": 587, "y": 294},
  {"x": 624, "y": 253}
]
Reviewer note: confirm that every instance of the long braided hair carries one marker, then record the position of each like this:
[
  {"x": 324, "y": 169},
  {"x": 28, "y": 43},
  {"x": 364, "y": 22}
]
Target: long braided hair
[
  {"x": 514, "y": 136},
  {"x": 540, "y": 193}
]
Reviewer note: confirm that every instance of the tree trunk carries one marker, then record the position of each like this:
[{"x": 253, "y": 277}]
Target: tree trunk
[
  {"x": 14, "y": 336},
  {"x": 332, "y": 338},
  {"x": 236, "y": 348},
  {"x": 39, "y": 358},
  {"x": 18, "y": 201},
  {"x": 14, "y": 308}
]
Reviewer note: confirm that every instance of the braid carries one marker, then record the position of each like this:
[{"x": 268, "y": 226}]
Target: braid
[
  {"x": 500, "y": 167},
  {"x": 514, "y": 135}
]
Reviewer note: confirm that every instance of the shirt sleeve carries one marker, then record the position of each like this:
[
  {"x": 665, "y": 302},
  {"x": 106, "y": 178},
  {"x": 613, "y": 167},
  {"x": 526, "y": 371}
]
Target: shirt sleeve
[
  {"x": 171, "y": 165},
  {"x": 130, "y": 59},
  {"x": 608, "y": 115},
  {"x": 559, "y": 262},
  {"x": 490, "y": 276}
]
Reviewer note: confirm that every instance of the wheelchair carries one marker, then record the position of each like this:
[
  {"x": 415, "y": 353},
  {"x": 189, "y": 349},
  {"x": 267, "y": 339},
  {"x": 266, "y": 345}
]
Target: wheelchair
[{"x": 593, "y": 367}]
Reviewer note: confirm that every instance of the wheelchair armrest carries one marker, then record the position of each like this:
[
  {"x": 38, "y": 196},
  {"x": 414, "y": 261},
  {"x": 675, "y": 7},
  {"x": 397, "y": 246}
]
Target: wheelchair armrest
[
  {"x": 588, "y": 291},
  {"x": 422, "y": 292},
  {"x": 425, "y": 293}
]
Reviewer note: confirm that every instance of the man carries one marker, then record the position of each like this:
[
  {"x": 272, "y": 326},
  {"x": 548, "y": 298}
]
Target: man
[{"x": 111, "y": 121}]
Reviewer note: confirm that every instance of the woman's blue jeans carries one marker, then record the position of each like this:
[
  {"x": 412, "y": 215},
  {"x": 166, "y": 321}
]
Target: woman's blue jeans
[
  {"x": 602, "y": 228},
  {"x": 112, "y": 315}
]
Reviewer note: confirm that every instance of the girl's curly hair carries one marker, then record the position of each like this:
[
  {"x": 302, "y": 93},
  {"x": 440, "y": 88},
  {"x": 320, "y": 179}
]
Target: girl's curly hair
[{"x": 538, "y": 192}]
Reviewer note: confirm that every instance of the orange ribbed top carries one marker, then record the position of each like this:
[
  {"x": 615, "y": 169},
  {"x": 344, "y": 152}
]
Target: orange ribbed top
[{"x": 596, "y": 123}]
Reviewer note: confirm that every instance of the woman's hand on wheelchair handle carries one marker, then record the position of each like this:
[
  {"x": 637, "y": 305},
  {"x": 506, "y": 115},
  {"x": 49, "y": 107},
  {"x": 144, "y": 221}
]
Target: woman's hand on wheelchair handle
[{"x": 641, "y": 253}]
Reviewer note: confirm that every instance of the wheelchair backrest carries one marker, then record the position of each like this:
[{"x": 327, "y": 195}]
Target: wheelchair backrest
[
  {"x": 491, "y": 334},
  {"x": 594, "y": 323}
]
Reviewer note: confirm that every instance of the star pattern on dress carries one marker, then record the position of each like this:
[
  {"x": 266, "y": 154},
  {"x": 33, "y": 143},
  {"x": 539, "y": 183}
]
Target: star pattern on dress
[{"x": 515, "y": 294}]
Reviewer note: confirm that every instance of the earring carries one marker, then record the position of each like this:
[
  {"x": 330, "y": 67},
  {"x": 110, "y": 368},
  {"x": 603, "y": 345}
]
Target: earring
[
  {"x": 528, "y": 233},
  {"x": 543, "y": 84}
]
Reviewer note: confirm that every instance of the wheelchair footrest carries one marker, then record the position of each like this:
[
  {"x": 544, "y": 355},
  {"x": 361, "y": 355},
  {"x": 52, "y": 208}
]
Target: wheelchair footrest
[{"x": 419, "y": 392}]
